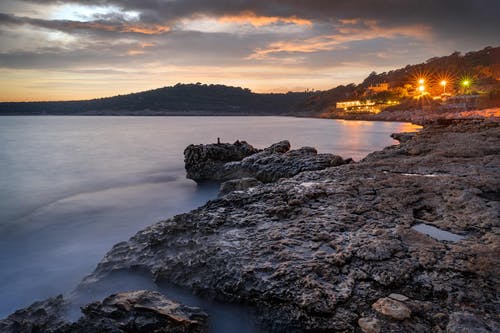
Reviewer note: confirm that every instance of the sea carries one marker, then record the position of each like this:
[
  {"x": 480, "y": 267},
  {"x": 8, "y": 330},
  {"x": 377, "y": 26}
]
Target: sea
[{"x": 73, "y": 186}]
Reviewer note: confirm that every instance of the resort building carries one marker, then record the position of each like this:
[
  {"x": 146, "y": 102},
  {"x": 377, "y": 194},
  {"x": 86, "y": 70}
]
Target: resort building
[{"x": 358, "y": 106}]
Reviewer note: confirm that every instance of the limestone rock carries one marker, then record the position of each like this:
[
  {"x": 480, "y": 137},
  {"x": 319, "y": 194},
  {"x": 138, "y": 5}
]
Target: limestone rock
[
  {"x": 392, "y": 308},
  {"x": 312, "y": 252},
  {"x": 128, "y": 312},
  {"x": 238, "y": 185},
  {"x": 222, "y": 162},
  {"x": 202, "y": 161},
  {"x": 403, "y": 137},
  {"x": 369, "y": 325},
  {"x": 139, "y": 311},
  {"x": 44, "y": 316}
]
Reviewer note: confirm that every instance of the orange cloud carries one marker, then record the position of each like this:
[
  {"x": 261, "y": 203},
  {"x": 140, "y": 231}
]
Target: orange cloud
[
  {"x": 249, "y": 17},
  {"x": 122, "y": 27},
  {"x": 366, "y": 31}
]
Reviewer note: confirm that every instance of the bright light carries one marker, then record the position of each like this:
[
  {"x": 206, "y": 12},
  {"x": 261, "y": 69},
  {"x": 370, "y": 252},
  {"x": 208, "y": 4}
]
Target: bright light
[
  {"x": 466, "y": 83},
  {"x": 443, "y": 83},
  {"x": 421, "y": 88},
  {"x": 421, "y": 81}
]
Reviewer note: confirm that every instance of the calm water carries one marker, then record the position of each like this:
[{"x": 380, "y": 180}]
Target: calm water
[{"x": 71, "y": 187}]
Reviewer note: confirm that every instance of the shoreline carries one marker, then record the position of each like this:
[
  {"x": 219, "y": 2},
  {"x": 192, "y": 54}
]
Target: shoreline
[
  {"x": 415, "y": 117},
  {"x": 326, "y": 249}
]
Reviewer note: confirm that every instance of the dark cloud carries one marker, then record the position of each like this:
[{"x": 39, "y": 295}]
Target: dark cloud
[
  {"x": 282, "y": 39},
  {"x": 459, "y": 16}
]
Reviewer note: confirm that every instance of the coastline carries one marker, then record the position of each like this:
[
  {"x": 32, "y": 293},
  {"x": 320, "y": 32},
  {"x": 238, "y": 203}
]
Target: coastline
[
  {"x": 319, "y": 250},
  {"x": 415, "y": 117}
]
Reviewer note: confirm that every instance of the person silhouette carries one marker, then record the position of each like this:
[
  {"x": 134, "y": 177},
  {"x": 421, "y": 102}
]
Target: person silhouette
[{"x": 218, "y": 141}]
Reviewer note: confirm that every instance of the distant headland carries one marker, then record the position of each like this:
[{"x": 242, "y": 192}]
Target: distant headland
[{"x": 451, "y": 85}]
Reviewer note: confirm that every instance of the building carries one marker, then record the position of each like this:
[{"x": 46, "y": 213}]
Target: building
[{"x": 358, "y": 106}]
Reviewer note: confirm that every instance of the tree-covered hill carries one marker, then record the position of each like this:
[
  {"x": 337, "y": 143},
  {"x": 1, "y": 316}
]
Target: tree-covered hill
[
  {"x": 179, "y": 99},
  {"x": 482, "y": 68}
]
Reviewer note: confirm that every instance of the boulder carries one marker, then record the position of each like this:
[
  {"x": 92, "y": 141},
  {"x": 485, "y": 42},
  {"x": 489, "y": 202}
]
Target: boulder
[
  {"x": 222, "y": 162},
  {"x": 205, "y": 162}
]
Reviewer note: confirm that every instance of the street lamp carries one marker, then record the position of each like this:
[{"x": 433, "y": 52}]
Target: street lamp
[
  {"x": 466, "y": 84},
  {"x": 443, "y": 83}
]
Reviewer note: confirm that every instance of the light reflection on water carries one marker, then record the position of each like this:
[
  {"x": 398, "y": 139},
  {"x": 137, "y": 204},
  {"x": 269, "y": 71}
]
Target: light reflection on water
[{"x": 71, "y": 187}]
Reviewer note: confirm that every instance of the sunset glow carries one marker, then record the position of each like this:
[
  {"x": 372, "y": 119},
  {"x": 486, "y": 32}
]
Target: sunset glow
[{"x": 58, "y": 50}]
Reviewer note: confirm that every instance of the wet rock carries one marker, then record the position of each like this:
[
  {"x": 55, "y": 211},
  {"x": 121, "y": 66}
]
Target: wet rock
[
  {"x": 139, "y": 311},
  {"x": 240, "y": 184},
  {"x": 392, "y": 308},
  {"x": 128, "y": 312},
  {"x": 204, "y": 162},
  {"x": 277, "y": 161},
  {"x": 369, "y": 325},
  {"x": 403, "y": 137},
  {"x": 45, "y": 316}
]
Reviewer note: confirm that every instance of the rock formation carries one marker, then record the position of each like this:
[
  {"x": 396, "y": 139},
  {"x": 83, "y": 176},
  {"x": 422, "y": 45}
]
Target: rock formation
[
  {"x": 334, "y": 250},
  {"x": 138, "y": 311},
  {"x": 222, "y": 162}
]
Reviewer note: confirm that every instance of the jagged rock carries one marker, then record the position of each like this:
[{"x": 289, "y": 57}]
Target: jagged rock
[
  {"x": 313, "y": 252},
  {"x": 392, "y": 308},
  {"x": 204, "y": 162},
  {"x": 141, "y": 312},
  {"x": 128, "y": 312},
  {"x": 403, "y": 137},
  {"x": 269, "y": 165},
  {"x": 369, "y": 325},
  {"x": 44, "y": 316},
  {"x": 238, "y": 185}
]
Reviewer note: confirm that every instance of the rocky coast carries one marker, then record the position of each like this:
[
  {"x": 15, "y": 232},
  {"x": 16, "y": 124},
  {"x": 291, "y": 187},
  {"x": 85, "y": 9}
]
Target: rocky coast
[{"x": 406, "y": 240}]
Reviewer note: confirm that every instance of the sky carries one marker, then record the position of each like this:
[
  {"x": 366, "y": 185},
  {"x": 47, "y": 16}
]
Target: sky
[{"x": 79, "y": 49}]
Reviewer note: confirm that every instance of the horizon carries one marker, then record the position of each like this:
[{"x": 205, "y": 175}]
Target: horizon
[{"x": 72, "y": 50}]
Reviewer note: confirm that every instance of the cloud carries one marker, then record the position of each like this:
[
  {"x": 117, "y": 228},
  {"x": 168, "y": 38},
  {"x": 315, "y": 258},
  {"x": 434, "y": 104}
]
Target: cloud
[
  {"x": 75, "y": 26},
  {"x": 325, "y": 42},
  {"x": 350, "y": 31},
  {"x": 248, "y": 17}
]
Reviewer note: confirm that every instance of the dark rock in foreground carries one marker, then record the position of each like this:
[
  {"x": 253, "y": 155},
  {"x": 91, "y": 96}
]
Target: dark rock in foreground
[
  {"x": 222, "y": 162},
  {"x": 335, "y": 251},
  {"x": 136, "y": 311}
]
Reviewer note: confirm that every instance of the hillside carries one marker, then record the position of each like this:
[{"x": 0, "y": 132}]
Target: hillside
[
  {"x": 193, "y": 99},
  {"x": 481, "y": 68}
]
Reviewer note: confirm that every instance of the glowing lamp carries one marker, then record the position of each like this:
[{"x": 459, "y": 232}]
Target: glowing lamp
[
  {"x": 443, "y": 83},
  {"x": 421, "y": 81},
  {"x": 466, "y": 83},
  {"x": 421, "y": 88}
]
